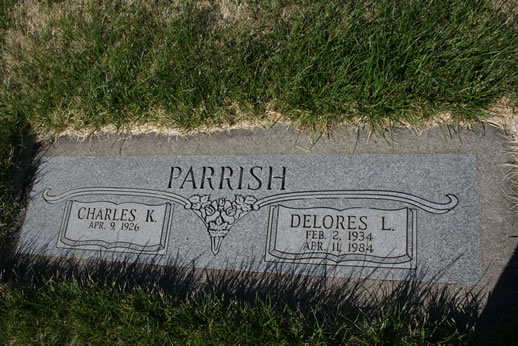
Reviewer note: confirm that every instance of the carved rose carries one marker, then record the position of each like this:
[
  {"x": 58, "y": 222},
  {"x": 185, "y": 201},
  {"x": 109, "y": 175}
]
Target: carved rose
[
  {"x": 220, "y": 214},
  {"x": 222, "y": 204},
  {"x": 210, "y": 210},
  {"x": 220, "y": 208}
]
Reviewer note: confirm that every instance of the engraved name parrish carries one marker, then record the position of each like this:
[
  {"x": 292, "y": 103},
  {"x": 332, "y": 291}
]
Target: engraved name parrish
[{"x": 226, "y": 177}]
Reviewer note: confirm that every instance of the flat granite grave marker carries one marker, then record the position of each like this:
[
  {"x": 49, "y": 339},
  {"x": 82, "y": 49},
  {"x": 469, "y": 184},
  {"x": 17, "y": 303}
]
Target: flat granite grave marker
[
  {"x": 373, "y": 213},
  {"x": 363, "y": 210}
]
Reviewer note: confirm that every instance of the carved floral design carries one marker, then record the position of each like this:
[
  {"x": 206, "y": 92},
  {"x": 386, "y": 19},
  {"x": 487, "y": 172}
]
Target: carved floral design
[{"x": 220, "y": 214}]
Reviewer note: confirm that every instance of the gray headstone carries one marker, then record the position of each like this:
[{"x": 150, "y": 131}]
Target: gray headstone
[{"x": 361, "y": 213}]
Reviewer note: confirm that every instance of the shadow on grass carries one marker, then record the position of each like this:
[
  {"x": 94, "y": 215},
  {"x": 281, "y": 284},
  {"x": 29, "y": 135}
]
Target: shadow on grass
[
  {"x": 347, "y": 302},
  {"x": 26, "y": 162}
]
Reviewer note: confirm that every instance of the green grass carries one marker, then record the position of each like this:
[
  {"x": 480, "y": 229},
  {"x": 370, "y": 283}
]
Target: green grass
[
  {"x": 318, "y": 64},
  {"x": 71, "y": 64},
  {"x": 105, "y": 314},
  {"x": 12, "y": 126},
  {"x": 63, "y": 310}
]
